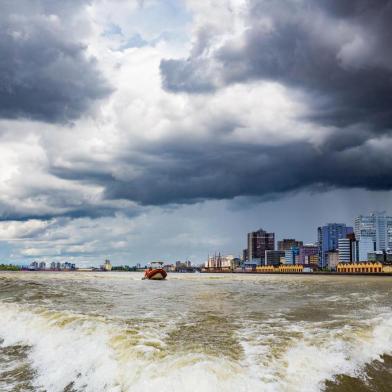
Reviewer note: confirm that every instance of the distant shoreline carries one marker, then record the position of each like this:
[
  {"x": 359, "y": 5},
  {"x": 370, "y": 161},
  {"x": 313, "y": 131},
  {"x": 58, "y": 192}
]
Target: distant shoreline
[
  {"x": 303, "y": 273},
  {"x": 227, "y": 272}
]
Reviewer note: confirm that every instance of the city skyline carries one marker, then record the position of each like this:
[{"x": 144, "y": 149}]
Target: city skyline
[
  {"x": 140, "y": 130},
  {"x": 271, "y": 242}
]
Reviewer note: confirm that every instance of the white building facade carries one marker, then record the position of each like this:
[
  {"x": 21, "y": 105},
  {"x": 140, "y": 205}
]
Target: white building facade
[
  {"x": 344, "y": 248},
  {"x": 377, "y": 226},
  {"x": 221, "y": 262}
]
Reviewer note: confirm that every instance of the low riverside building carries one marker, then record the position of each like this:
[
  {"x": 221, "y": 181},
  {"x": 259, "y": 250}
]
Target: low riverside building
[
  {"x": 107, "y": 266},
  {"x": 222, "y": 263},
  {"x": 183, "y": 266},
  {"x": 169, "y": 267},
  {"x": 266, "y": 269},
  {"x": 290, "y": 268},
  {"x": 332, "y": 260},
  {"x": 381, "y": 256},
  {"x": 280, "y": 269},
  {"x": 387, "y": 268},
  {"x": 362, "y": 268}
]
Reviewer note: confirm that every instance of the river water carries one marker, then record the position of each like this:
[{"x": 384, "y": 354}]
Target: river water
[{"x": 194, "y": 332}]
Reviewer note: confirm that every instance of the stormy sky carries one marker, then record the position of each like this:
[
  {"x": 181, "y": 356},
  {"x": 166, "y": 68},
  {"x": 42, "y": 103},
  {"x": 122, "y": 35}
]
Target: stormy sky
[{"x": 145, "y": 129}]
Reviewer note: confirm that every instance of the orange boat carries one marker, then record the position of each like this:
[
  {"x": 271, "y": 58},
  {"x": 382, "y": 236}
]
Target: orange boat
[{"x": 155, "y": 272}]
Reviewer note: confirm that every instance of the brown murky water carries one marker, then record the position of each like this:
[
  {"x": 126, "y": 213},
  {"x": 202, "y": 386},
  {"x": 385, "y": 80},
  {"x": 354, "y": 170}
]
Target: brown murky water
[{"x": 197, "y": 332}]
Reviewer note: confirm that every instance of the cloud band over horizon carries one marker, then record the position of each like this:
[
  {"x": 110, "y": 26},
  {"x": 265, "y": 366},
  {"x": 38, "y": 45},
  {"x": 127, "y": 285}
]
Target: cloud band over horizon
[{"x": 223, "y": 100}]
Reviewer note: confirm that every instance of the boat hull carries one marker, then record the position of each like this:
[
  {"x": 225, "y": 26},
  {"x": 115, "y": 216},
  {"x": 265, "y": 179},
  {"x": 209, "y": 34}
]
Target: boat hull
[{"x": 155, "y": 274}]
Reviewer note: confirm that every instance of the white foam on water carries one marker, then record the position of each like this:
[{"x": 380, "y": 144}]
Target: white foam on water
[
  {"x": 98, "y": 355},
  {"x": 321, "y": 353},
  {"x": 61, "y": 355},
  {"x": 74, "y": 349}
]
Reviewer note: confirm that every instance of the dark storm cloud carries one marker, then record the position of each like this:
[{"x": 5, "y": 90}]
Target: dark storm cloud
[
  {"x": 333, "y": 51},
  {"x": 348, "y": 8},
  {"x": 336, "y": 51},
  {"x": 60, "y": 208},
  {"x": 45, "y": 73},
  {"x": 224, "y": 172},
  {"x": 191, "y": 172},
  {"x": 82, "y": 212}
]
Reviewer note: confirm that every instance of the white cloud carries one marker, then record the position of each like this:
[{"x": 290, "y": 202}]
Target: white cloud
[{"x": 54, "y": 170}]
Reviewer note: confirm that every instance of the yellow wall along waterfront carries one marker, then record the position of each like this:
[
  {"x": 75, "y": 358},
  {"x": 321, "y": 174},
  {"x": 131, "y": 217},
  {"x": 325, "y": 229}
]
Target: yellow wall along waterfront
[
  {"x": 364, "y": 267},
  {"x": 387, "y": 269},
  {"x": 282, "y": 268}
]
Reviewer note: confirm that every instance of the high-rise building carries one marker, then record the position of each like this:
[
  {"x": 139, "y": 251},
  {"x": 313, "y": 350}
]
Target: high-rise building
[
  {"x": 328, "y": 237},
  {"x": 378, "y": 226},
  {"x": 34, "y": 265},
  {"x": 308, "y": 254},
  {"x": 360, "y": 249},
  {"x": 273, "y": 257},
  {"x": 288, "y": 243},
  {"x": 258, "y": 242},
  {"x": 353, "y": 250},
  {"x": 312, "y": 259},
  {"x": 344, "y": 247},
  {"x": 292, "y": 255}
]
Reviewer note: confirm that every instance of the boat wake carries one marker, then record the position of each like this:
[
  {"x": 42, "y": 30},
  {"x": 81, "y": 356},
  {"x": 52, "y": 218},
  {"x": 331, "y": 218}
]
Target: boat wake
[{"x": 93, "y": 353}]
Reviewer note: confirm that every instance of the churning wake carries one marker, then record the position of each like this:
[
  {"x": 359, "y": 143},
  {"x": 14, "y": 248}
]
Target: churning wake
[{"x": 67, "y": 350}]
